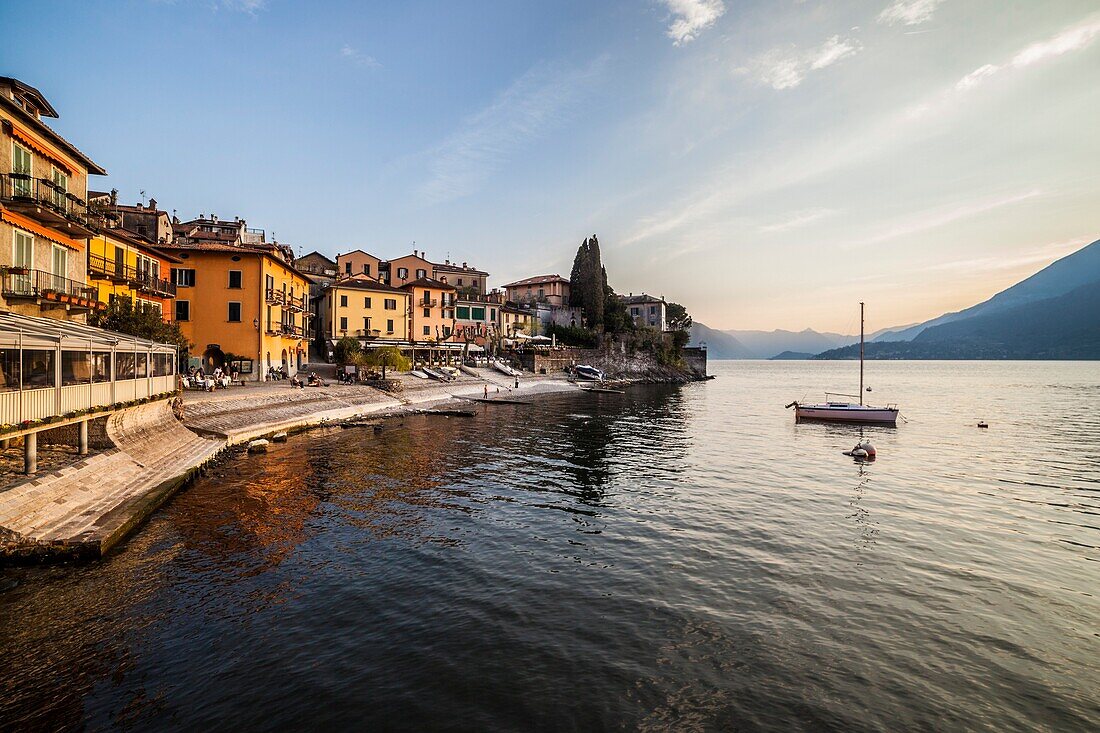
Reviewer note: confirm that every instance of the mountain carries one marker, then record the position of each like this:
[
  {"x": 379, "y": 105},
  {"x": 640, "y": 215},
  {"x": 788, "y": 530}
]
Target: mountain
[
  {"x": 766, "y": 344},
  {"x": 791, "y": 356},
  {"x": 1063, "y": 327},
  {"x": 1060, "y": 277},
  {"x": 720, "y": 345}
]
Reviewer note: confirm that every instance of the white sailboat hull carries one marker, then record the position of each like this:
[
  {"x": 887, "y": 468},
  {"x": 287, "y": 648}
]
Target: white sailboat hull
[{"x": 847, "y": 413}]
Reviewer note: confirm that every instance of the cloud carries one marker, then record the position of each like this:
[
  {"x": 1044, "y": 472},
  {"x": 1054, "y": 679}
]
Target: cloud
[
  {"x": 352, "y": 55},
  {"x": 691, "y": 17},
  {"x": 909, "y": 12},
  {"x": 785, "y": 68},
  {"x": 935, "y": 218},
  {"x": 800, "y": 218},
  {"x": 245, "y": 6},
  {"x": 1045, "y": 254},
  {"x": 535, "y": 103},
  {"x": 1074, "y": 38}
]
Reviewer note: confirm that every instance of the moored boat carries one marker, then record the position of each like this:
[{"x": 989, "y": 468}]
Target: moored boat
[
  {"x": 504, "y": 368},
  {"x": 591, "y": 373},
  {"x": 851, "y": 412}
]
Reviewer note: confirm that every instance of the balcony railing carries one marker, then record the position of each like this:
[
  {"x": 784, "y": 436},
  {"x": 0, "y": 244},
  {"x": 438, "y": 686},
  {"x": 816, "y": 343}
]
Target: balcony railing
[
  {"x": 48, "y": 288},
  {"x": 427, "y": 303},
  {"x": 99, "y": 266},
  {"x": 296, "y": 304},
  {"x": 44, "y": 200},
  {"x": 275, "y": 297}
]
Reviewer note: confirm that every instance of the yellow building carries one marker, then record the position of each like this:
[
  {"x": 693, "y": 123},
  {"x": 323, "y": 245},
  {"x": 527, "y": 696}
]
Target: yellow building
[
  {"x": 514, "y": 319},
  {"x": 432, "y": 310},
  {"x": 45, "y": 221},
  {"x": 244, "y": 303},
  {"x": 366, "y": 309},
  {"x": 121, "y": 265}
]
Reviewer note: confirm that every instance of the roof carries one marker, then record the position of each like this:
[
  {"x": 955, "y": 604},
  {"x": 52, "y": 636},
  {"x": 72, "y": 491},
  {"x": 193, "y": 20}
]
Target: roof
[
  {"x": 451, "y": 267},
  {"x": 363, "y": 283},
  {"x": 137, "y": 240},
  {"x": 93, "y": 167},
  {"x": 538, "y": 280},
  {"x": 427, "y": 282},
  {"x": 44, "y": 107},
  {"x": 315, "y": 253},
  {"x": 36, "y": 332},
  {"x": 349, "y": 252},
  {"x": 224, "y": 248},
  {"x": 642, "y": 298}
]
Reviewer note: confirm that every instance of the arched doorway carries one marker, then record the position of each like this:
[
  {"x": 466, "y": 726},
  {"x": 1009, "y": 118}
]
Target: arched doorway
[
  {"x": 212, "y": 358},
  {"x": 286, "y": 364},
  {"x": 301, "y": 355}
]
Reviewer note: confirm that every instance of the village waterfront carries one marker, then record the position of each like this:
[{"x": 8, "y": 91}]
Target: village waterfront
[{"x": 673, "y": 558}]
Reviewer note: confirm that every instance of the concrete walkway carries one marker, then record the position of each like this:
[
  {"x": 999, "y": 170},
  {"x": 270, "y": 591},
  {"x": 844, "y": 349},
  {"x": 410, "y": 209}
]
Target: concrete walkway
[{"x": 87, "y": 507}]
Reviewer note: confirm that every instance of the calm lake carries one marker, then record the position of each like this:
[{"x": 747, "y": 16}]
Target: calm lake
[{"x": 675, "y": 558}]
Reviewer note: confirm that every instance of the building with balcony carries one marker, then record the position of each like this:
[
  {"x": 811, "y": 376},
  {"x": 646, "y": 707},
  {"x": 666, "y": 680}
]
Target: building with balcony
[
  {"x": 45, "y": 220},
  {"x": 242, "y": 305},
  {"x": 548, "y": 289},
  {"x": 144, "y": 221},
  {"x": 467, "y": 280},
  {"x": 122, "y": 265},
  {"x": 515, "y": 319},
  {"x": 476, "y": 317},
  {"x": 431, "y": 310},
  {"x": 646, "y": 310},
  {"x": 365, "y": 309}
]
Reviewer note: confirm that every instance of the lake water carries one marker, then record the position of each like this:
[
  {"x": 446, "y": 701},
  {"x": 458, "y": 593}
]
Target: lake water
[{"x": 675, "y": 558}]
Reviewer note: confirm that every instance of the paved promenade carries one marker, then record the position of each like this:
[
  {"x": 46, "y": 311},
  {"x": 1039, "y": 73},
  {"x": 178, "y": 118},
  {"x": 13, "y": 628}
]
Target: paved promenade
[{"x": 90, "y": 505}]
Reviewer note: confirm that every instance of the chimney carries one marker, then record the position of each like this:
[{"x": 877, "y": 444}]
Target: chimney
[
  {"x": 463, "y": 265},
  {"x": 153, "y": 204},
  {"x": 114, "y": 197},
  {"x": 214, "y": 218},
  {"x": 202, "y": 217}
]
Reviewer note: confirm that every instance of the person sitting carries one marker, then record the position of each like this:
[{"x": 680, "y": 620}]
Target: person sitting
[{"x": 295, "y": 382}]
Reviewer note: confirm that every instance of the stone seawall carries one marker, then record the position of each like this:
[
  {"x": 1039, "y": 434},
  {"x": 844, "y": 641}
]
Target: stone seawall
[{"x": 618, "y": 363}]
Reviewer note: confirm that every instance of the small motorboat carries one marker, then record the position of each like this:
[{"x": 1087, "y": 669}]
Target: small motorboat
[
  {"x": 591, "y": 373},
  {"x": 419, "y": 374}
]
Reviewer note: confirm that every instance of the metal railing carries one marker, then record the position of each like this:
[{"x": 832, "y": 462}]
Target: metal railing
[
  {"x": 298, "y": 303},
  {"x": 427, "y": 303},
  {"x": 26, "y": 283},
  {"x": 274, "y": 297},
  {"x": 144, "y": 281},
  {"x": 45, "y": 200}
]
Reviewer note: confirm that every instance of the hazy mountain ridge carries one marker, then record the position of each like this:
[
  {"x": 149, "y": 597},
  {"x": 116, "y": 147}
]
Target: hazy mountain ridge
[
  {"x": 720, "y": 345},
  {"x": 1058, "y": 278}
]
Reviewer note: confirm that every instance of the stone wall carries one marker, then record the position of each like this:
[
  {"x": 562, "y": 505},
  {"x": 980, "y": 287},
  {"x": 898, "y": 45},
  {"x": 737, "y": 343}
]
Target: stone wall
[{"x": 70, "y": 434}]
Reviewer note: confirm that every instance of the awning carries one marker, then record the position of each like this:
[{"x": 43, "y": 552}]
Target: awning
[
  {"x": 30, "y": 225},
  {"x": 43, "y": 149}
]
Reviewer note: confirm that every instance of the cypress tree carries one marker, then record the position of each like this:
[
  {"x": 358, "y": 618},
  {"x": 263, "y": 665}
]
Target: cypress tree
[{"x": 586, "y": 283}]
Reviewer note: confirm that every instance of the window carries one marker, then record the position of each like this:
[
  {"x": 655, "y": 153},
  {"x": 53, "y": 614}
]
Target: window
[
  {"x": 59, "y": 265},
  {"x": 652, "y": 310},
  {"x": 366, "y": 324},
  {"x": 427, "y": 312},
  {"x": 9, "y": 369},
  {"x": 478, "y": 313},
  {"x": 460, "y": 282},
  {"x": 22, "y": 256},
  {"x": 366, "y": 302},
  {"x": 462, "y": 312},
  {"x": 38, "y": 368},
  {"x": 634, "y": 312},
  {"x": 343, "y": 301},
  {"x": 20, "y": 164},
  {"x": 125, "y": 365},
  {"x": 269, "y": 283},
  {"x": 421, "y": 273},
  {"x": 402, "y": 273},
  {"x": 142, "y": 366},
  {"x": 427, "y": 331},
  {"x": 389, "y": 326},
  {"x": 347, "y": 268},
  {"x": 101, "y": 366},
  {"x": 542, "y": 293},
  {"x": 234, "y": 312},
  {"x": 493, "y": 315},
  {"x": 183, "y": 278},
  {"x": 61, "y": 187},
  {"x": 76, "y": 367},
  {"x": 344, "y": 324},
  {"x": 366, "y": 269},
  {"x": 235, "y": 279}
]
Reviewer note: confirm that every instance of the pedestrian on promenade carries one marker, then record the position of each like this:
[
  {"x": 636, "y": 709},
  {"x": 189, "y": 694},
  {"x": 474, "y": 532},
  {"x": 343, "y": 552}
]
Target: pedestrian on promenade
[
  {"x": 486, "y": 391},
  {"x": 517, "y": 382}
]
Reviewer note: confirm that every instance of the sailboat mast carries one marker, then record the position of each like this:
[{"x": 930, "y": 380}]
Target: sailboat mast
[{"x": 861, "y": 353}]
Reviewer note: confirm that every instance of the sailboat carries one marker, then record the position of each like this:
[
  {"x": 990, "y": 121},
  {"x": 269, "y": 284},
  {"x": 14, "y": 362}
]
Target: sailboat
[{"x": 848, "y": 411}]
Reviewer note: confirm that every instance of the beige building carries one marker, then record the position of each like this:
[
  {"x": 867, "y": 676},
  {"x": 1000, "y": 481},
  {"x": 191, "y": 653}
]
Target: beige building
[
  {"x": 550, "y": 289},
  {"x": 431, "y": 312},
  {"x": 366, "y": 309},
  {"x": 45, "y": 220},
  {"x": 358, "y": 262}
]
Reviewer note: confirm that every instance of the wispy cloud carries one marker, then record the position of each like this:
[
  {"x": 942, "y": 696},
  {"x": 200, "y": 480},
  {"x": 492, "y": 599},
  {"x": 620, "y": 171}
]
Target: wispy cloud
[
  {"x": 354, "y": 56},
  {"x": 1045, "y": 254},
  {"x": 244, "y": 6},
  {"x": 932, "y": 219},
  {"x": 785, "y": 68},
  {"x": 799, "y": 219},
  {"x": 691, "y": 17},
  {"x": 909, "y": 12},
  {"x": 537, "y": 102},
  {"x": 1074, "y": 38}
]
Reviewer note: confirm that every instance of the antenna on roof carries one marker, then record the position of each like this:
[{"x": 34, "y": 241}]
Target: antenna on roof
[{"x": 143, "y": 198}]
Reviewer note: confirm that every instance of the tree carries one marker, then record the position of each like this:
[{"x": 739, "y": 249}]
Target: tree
[
  {"x": 122, "y": 316},
  {"x": 388, "y": 356},
  {"x": 587, "y": 281},
  {"x": 677, "y": 317},
  {"x": 345, "y": 350}
]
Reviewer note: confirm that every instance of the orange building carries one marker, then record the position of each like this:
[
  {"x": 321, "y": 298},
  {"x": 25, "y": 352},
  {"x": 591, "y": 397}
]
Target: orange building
[
  {"x": 549, "y": 289},
  {"x": 431, "y": 310},
  {"x": 242, "y": 303},
  {"x": 358, "y": 262},
  {"x": 45, "y": 221}
]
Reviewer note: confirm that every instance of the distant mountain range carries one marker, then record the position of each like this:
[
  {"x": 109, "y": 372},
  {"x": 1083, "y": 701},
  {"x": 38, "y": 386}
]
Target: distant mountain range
[{"x": 1054, "y": 314}]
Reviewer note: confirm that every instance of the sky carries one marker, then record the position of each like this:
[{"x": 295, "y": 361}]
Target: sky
[{"x": 767, "y": 164}]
